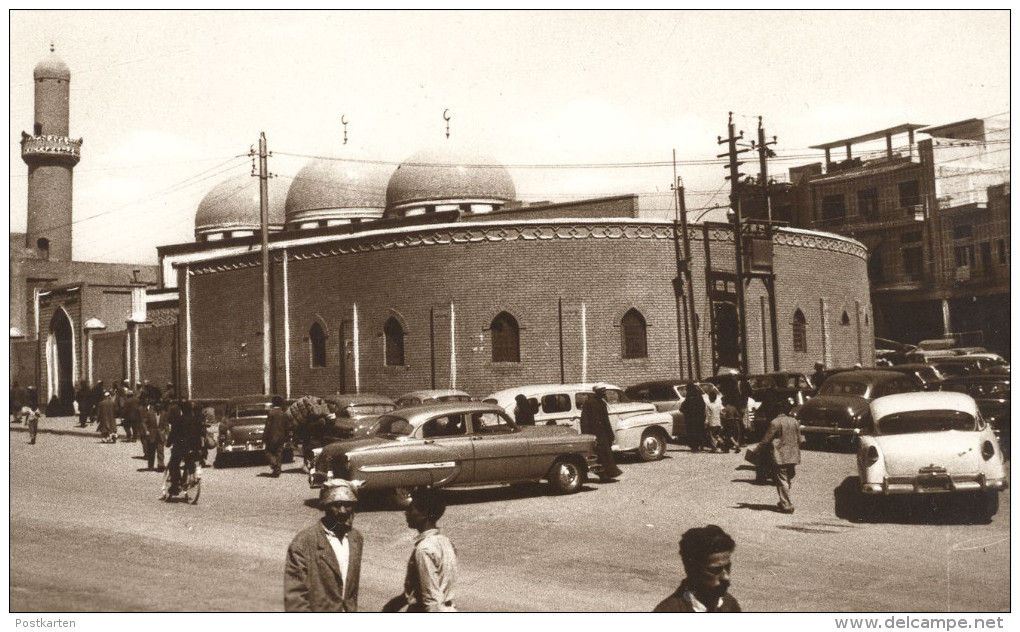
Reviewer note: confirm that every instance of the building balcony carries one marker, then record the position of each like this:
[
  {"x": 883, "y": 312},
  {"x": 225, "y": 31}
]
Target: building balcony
[{"x": 48, "y": 148}]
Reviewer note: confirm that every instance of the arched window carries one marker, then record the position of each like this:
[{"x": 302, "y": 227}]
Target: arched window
[
  {"x": 799, "y": 332},
  {"x": 394, "y": 351},
  {"x": 317, "y": 344},
  {"x": 845, "y": 320},
  {"x": 633, "y": 335},
  {"x": 506, "y": 338}
]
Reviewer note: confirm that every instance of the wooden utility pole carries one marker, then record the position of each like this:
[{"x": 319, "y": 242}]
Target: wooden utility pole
[
  {"x": 267, "y": 329},
  {"x": 764, "y": 153},
  {"x": 738, "y": 222}
]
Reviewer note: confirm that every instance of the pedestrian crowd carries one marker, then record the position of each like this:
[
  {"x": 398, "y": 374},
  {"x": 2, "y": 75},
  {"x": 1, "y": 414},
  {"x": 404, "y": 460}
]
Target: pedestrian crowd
[{"x": 323, "y": 561}]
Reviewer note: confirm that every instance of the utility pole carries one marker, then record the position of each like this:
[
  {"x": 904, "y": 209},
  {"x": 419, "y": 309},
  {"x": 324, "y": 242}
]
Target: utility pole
[
  {"x": 738, "y": 238},
  {"x": 267, "y": 330},
  {"x": 764, "y": 153}
]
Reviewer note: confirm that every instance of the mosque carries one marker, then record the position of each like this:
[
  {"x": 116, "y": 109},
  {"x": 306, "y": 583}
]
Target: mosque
[{"x": 435, "y": 275}]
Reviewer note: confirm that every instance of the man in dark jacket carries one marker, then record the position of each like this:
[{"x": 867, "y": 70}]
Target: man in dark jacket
[
  {"x": 131, "y": 411},
  {"x": 595, "y": 421},
  {"x": 275, "y": 435},
  {"x": 705, "y": 553},
  {"x": 524, "y": 415},
  {"x": 324, "y": 561}
]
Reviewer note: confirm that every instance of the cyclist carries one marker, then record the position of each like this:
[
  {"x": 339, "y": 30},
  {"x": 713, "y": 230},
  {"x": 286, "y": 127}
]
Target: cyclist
[{"x": 185, "y": 442}]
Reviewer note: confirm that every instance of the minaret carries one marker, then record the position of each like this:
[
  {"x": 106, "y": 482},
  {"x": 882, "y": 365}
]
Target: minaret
[{"x": 51, "y": 156}]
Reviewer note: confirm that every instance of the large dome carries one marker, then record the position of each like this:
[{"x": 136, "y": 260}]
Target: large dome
[
  {"x": 233, "y": 205},
  {"x": 448, "y": 174},
  {"x": 52, "y": 67},
  {"x": 331, "y": 191}
]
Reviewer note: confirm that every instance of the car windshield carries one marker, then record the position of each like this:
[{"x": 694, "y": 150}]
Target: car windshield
[
  {"x": 251, "y": 412},
  {"x": 362, "y": 410},
  {"x": 913, "y": 421},
  {"x": 841, "y": 387},
  {"x": 392, "y": 426},
  {"x": 455, "y": 398}
]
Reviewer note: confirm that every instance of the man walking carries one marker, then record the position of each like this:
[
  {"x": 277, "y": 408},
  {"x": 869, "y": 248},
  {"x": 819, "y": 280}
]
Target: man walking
[
  {"x": 106, "y": 416},
  {"x": 148, "y": 434},
  {"x": 705, "y": 553},
  {"x": 595, "y": 421},
  {"x": 32, "y": 416},
  {"x": 782, "y": 441},
  {"x": 132, "y": 414},
  {"x": 324, "y": 560},
  {"x": 275, "y": 435}
]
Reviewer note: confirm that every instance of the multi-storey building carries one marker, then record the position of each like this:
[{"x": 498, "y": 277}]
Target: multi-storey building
[{"x": 934, "y": 215}]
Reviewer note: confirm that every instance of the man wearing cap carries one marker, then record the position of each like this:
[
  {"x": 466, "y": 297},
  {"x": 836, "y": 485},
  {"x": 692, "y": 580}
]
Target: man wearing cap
[
  {"x": 595, "y": 421},
  {"x": 324, "y": 560}
]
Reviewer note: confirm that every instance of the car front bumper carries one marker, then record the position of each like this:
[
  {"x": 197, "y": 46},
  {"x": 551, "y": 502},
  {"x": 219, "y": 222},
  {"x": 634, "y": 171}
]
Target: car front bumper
[{"x": 934, "y": 484}]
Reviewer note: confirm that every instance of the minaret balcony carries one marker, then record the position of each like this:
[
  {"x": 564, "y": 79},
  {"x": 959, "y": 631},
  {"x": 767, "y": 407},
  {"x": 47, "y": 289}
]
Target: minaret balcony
[{"x": 48, "y": 148}]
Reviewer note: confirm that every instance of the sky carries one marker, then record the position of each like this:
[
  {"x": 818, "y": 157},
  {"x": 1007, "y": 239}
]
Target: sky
[{"x": 170, "y": 103}]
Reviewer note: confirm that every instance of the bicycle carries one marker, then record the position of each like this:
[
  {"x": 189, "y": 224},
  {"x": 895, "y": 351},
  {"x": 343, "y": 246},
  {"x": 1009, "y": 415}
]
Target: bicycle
[{"x": 191, "y": 481}]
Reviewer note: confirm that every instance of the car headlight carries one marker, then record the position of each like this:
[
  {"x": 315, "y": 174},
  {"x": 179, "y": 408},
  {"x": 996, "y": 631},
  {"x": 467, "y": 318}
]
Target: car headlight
[
  {"x": 871, "y": 456},
  {"x": 987, "y": 450}
]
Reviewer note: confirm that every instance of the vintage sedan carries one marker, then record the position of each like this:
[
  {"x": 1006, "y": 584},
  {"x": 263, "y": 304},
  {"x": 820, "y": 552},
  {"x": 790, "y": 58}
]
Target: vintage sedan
[
  {"x": 431, "y": 396},
  {"x": 355, "y": 414},
  {"x": 242, "y": 426},
  {"x": 928, "y": 377},
  {"x": 841, "y": 407},
  {"x": 637, "y": 426},
  {"x": 931, "y": 443},
  {"x": 455, "y": 444},
  {"x": 991, "y": 392}
]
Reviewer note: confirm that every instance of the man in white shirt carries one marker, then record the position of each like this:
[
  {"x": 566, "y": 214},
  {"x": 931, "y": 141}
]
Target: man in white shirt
[{"x": 324, "y": 560}]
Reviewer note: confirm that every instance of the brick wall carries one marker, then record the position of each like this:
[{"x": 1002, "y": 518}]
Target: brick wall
[{"x": 600, "y": 269}]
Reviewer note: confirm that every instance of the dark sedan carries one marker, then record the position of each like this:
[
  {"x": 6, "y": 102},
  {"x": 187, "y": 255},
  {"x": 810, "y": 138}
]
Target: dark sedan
[
  {"x": 841, "y": 407},
  {"x": 242, "y": 427},
  {"x": 927, "y": 376},
  {"x": 991, "y": 392}
]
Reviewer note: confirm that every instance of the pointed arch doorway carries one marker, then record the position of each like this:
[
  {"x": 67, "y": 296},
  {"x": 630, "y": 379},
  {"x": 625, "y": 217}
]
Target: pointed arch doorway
[{"x": 61, "y": 364}]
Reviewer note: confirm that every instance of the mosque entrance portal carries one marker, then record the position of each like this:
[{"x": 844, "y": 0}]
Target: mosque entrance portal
[
  {"x": 725, "y": 322},
  {"x": 62, "y": 346}
]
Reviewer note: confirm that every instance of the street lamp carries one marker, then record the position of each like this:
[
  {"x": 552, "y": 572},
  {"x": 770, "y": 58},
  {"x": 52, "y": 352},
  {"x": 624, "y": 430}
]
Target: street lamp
[{"x": 92, "y": 324}]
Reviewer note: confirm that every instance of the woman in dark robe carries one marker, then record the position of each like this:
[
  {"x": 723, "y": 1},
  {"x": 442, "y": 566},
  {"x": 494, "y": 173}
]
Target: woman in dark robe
[{"x": 693, "y": 408}]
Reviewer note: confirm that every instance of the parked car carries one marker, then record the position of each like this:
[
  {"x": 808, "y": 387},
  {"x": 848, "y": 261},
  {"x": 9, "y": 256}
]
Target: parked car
[
  {"x": 928, "y": 377},
  {"x": 637, "y": 426},
  {"x": 431, "y": 396},
  {"x": 457, "y": 443},
  {"x": 991, "y": 392},
  {"x": 667, "y": 396},
  {"x": 355, "y": 414},
  {"x": 931, "y": 443},
  {"x": 841, "y": 407},
  {"x": 960, "y": 365},
  {"x": 242, "y": 426}
]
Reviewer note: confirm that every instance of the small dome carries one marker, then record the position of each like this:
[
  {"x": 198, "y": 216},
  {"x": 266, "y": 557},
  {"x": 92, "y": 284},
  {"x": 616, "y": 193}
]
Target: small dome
[
  {"x": 52, "y": 67},
  {"x": 447, "y": 173},
  {"x": 327, "y": 190},
  {"x": 234, "y": 205}
]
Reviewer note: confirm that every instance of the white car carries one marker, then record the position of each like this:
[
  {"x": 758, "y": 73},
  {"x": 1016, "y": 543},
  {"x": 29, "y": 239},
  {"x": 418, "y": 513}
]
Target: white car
[
  {"x": 637, "y": 426},
  {"x": 931, "y": 443}
]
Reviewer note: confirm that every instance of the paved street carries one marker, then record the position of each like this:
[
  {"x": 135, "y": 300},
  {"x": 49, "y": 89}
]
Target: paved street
[{"x": 88, "y": 534}]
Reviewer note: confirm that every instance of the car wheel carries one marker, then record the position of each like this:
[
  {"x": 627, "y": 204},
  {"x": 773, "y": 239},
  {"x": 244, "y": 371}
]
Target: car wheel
[
  {"x": 566, "y": 476},
  {"x": 652, "y": 446},
  {"x": 400, "y": 497},
  {"x": 987, "y": 504}
]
